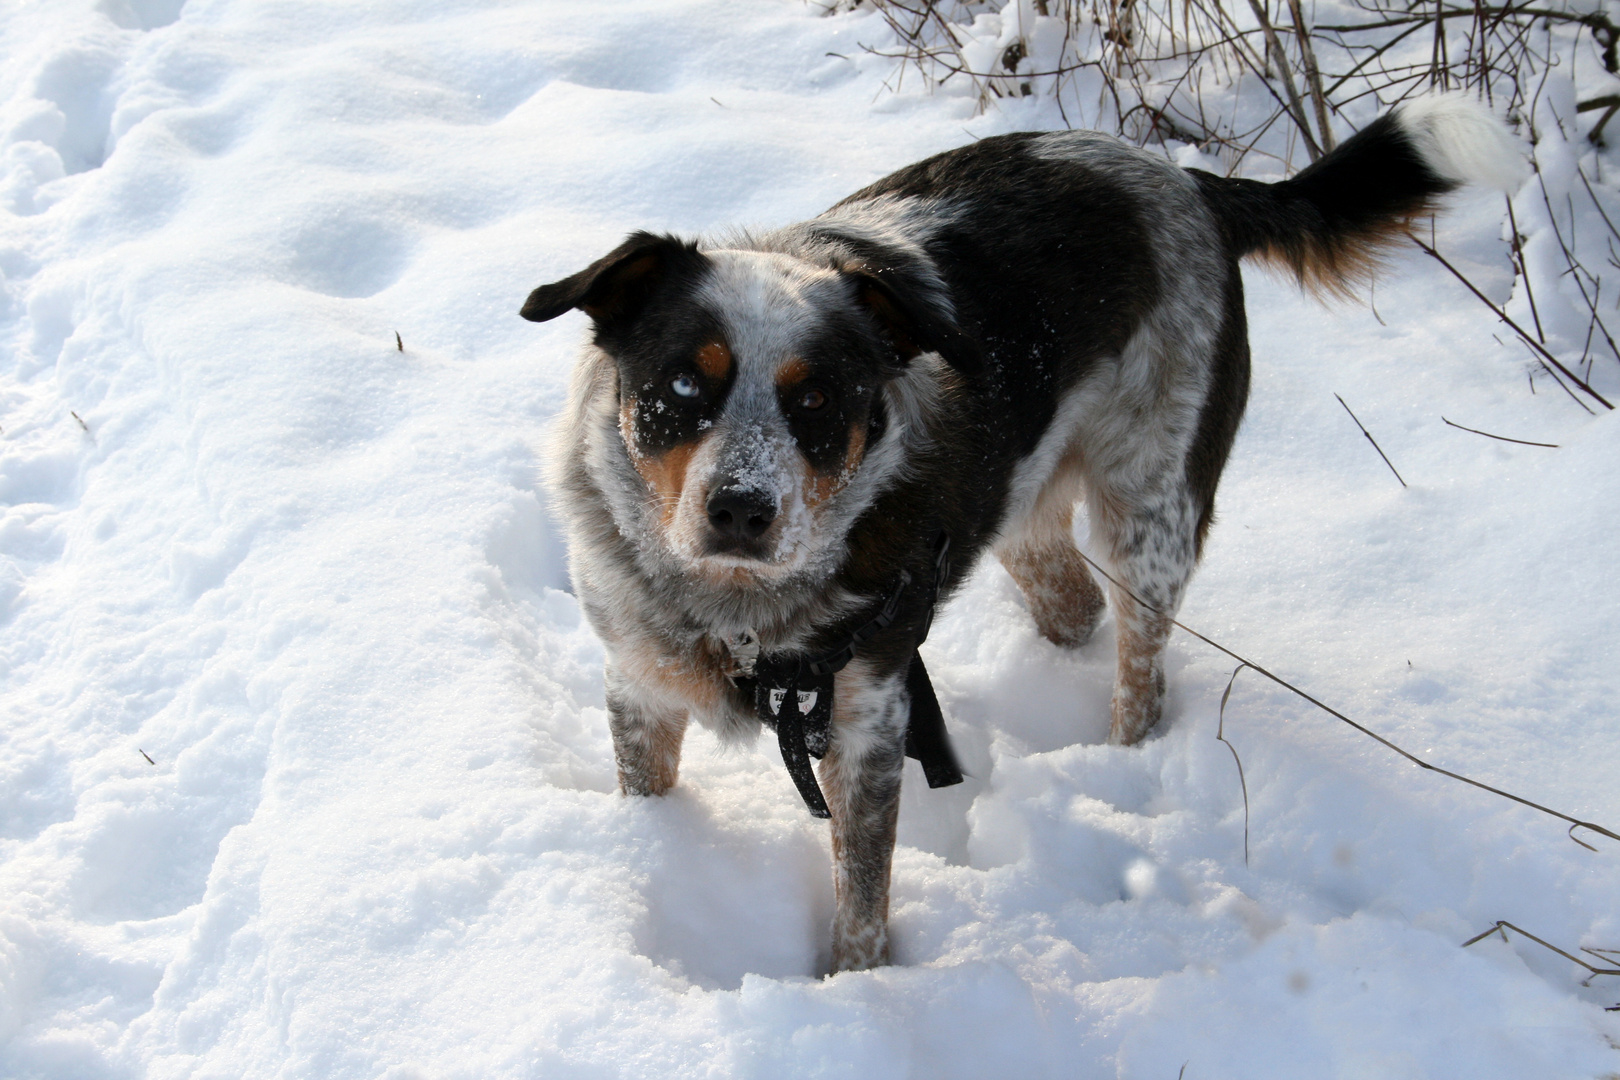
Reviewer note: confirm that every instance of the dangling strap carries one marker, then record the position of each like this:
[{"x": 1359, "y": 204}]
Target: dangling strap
[
  {"x": 796, "y": 756},
  {"x": 926, "y": 739},
  {"x": 798, "y": 703}
]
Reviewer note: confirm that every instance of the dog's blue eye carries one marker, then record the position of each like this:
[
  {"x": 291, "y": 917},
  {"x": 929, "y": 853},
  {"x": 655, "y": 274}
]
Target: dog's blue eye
[{"x": 685, "y": 386}]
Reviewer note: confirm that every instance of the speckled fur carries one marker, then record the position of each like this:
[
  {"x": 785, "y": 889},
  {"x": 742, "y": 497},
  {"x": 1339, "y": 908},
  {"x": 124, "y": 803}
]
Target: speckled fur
[{"x": 976, "y": 344}]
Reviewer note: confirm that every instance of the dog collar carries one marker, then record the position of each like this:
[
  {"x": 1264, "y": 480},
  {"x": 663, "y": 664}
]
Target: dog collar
[{"x": 793, "y": 692}]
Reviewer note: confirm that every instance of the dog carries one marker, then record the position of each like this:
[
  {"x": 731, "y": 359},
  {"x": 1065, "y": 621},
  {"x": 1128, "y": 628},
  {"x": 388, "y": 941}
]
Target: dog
[{"x": 778, "y": 446}]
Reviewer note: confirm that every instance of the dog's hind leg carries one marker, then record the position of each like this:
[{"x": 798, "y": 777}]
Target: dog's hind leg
[
  {"x": 1151, "y": 475},
  {"x": 646, "y": 738},
  {"x": 1152, "y": 538},
  {"x": 860, "y": 777},
  {"x": 1040, "y": 555}
]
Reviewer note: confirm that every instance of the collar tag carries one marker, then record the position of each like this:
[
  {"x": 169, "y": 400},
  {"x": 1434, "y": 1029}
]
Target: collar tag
[{"x": 744, "y": 649}]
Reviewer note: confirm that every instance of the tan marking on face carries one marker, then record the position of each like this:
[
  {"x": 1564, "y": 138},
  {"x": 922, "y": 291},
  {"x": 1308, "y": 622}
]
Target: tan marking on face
[
  {"x": 665, "y": 473},
  {"x": 794, "y": 371},
  {"x": 857, "y": 449},
  {"x": 819, "y": 487},
  {"x": 714, "y": 360}
]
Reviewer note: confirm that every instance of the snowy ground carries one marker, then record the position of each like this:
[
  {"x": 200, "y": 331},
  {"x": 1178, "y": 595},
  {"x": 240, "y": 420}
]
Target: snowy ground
[{"x": 312, "y": 578}]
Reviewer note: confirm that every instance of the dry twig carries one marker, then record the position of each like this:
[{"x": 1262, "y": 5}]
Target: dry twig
[
  {"x": 1503, "y": 926},
  {"x": 1535, "y": 345},
  {"x": 1220, "y": 733},
  {"x": 1502, "y": 438},
  {"x": 1372, "y": 440},
  {"x": 1243, "y": 661}
]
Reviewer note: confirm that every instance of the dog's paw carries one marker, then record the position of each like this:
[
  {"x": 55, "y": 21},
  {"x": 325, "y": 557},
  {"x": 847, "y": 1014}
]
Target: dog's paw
[
  {"x": 1063, "y": 598},
  {"x": 859, "y": 947},
  {"x": 639, "y": 787},
  {"x": 1136, "y": 710},
  {"x": 1066, "y": 627}
]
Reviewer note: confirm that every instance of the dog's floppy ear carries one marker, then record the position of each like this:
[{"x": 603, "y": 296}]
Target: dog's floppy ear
[
  {"x": 911, "y": 325},
  {"x": 618, "y": 284}
]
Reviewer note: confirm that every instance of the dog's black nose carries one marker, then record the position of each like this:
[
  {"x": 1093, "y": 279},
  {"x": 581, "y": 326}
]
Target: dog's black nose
[{"x": 740, "y": 514}]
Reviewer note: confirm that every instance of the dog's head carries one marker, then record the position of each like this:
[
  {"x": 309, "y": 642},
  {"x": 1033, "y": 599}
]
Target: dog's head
[{"x": 750, "y": 390}]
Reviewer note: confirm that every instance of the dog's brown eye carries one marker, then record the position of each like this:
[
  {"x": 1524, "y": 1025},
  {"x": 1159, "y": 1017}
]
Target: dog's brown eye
[
  {"x": 685, "y": 386},
  {"x": 810, "y": 401}
]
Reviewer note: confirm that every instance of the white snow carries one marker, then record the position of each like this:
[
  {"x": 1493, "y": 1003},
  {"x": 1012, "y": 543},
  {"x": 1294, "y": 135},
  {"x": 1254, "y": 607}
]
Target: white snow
[{"x": 314, "y": 578}]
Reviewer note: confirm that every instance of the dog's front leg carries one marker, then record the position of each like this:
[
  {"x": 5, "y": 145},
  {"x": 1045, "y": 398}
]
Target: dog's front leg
[
  {"x": 646, "y": 737},
  {"x": 860, "y": 777}
]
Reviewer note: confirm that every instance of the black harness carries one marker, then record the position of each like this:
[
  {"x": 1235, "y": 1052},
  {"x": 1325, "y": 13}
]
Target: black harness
[{"x": 793, "y": 693}]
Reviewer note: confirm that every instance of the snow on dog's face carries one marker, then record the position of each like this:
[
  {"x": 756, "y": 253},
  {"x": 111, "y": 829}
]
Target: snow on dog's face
[
  {"x": 750, "y": 394},
  {"x": 746, "y": 407}
]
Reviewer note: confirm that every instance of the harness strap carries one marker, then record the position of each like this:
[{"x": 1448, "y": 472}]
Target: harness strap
[
  {"x": 839, "y": 658},
  {"x": 926, "y": 739},
  {"x": 791, "y": 738},
  {"x": 795, "y": 695}
]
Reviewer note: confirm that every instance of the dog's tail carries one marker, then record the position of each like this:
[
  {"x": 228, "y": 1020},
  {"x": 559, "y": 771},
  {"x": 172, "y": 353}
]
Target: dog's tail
[{"x": 1332, "y": 224}]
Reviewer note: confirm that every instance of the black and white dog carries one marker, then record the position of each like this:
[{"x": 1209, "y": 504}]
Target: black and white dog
[{"x": 777, "y": 443}]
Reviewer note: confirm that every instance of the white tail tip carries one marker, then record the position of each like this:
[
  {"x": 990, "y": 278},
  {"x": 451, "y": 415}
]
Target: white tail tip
[{"x": 1463, "y": 141}]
